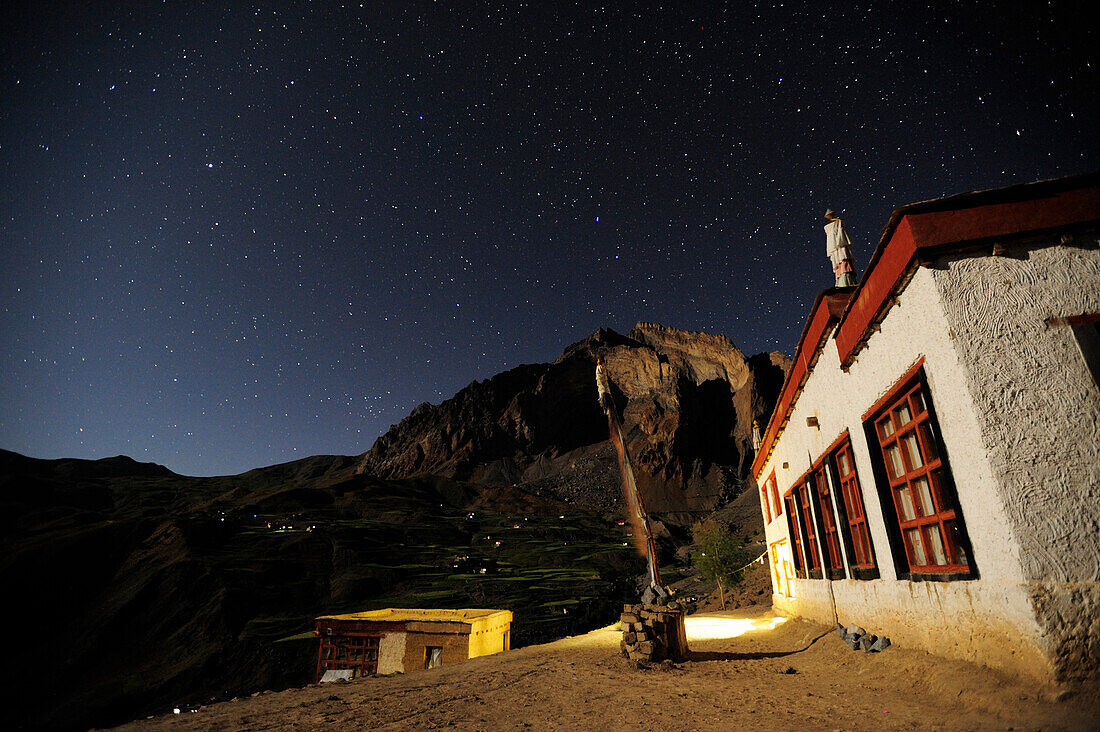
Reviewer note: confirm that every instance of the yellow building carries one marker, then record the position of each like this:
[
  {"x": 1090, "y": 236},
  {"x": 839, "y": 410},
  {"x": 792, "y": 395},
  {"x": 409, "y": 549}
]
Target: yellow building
[{"x": 397, "y": 640}]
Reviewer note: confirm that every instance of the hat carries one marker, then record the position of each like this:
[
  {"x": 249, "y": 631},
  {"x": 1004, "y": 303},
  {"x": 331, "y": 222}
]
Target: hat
[{"x": 831, "y": 214}]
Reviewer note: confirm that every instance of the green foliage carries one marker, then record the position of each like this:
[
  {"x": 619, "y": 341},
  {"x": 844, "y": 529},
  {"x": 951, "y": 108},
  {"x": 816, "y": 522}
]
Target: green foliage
[{"x": 717, "y": 555}]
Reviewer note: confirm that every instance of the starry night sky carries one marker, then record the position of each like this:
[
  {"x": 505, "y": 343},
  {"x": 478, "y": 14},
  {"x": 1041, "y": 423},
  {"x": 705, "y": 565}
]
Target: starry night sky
[{"x": 237, "y": 235}]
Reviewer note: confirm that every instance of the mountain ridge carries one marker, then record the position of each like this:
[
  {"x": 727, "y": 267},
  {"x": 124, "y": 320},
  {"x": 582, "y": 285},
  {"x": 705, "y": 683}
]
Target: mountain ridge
[{"x": 688, "y": 400}]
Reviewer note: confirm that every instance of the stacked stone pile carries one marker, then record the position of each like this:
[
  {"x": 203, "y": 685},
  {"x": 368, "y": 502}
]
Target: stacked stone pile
[
  {"x": 653, "y": 632},
  {"x": 859, "y": 639}
]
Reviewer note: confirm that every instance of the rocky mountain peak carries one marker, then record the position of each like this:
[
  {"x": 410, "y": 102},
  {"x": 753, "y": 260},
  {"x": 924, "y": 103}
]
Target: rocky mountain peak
[{"x": 687, "y": 399}]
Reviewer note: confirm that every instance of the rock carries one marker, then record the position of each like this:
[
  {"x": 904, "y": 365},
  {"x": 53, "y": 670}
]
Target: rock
[
  {"x": 840, "y": 632},
  {"x": 880, "y": 645},
  {"x": 687, "y": 400},
  {"x": 866, "y": 641},
  {"x": 1064, "y": 695}
]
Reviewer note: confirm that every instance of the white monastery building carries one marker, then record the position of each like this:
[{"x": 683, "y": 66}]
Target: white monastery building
[{"x": 932, "y": 468}]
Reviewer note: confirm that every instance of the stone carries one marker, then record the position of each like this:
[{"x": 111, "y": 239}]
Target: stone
[
  {"x": 628, "y": 618},
  {"x": 840, "y": 631},
  {"x": 880, "y": 645},
  {"x": 647, "y": 647},
  {"x": 866, "y": 641},
  {"x": 630, "y": 637},
  {"x": 855, "y": 630}
]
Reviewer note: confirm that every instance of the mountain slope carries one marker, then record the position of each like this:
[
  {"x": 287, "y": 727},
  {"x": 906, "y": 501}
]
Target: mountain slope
[{"x": 138, "y": 588}]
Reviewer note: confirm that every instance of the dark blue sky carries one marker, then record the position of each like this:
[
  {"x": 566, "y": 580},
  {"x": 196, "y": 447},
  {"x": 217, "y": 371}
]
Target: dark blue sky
[{"x": 233, "y": 236}]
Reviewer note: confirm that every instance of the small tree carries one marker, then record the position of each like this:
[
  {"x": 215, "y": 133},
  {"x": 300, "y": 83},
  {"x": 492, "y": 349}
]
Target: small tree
[{"x": 717, "y": 556}]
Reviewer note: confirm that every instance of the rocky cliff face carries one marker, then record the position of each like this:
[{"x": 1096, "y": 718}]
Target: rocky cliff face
[{"x": 687, "y": 401}]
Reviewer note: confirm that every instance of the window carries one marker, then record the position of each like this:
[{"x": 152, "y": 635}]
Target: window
[
  {"x": 926, "y": 517},
  {"x": 830, "y": 538},
  {"x": 803, "y": 527},
  {"x": 775, "y": 494},
  {"x": 769, "y": 499},
  {"x": 860, "y": 554},
  {"x": 796, "y": 536},
  {"x": 433, "y": 656}
]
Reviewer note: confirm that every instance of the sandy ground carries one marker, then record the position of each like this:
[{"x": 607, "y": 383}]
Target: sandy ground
[{"x": 766, "y": 673}]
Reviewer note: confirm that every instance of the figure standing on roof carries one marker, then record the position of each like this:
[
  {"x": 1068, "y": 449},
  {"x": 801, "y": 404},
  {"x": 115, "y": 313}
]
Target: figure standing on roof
[{"x": 839, "y": 248}]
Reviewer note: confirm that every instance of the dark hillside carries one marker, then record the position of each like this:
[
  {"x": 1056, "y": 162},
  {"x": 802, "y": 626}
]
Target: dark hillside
[{"x": 148, "y": 590}]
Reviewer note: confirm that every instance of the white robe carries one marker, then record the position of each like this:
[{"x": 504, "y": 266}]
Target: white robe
[{"x": 839, "y": 249}]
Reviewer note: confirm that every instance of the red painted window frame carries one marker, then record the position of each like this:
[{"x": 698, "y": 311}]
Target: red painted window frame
[
  {"x": 775, "y": 495},
  {"x": 830, "y": 538},
  {"x": 764, "y": 502},
  {"x": 863, "y": 553},
  {"x": 802, "y": 491},
  {"x": 795, "y": 533},
  {"x": 930, "y": 526}
]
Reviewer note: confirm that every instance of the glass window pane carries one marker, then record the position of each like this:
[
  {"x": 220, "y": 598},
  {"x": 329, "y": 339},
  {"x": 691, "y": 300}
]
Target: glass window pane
[
  {"x": 935, "y": 545},
  {"x": 924, "y": 492},
  {"x": 886, "y": 427},
  {"x": 956, "y": 543},
  {"x": 863, "y": 546},
  {"x": 905, "y": 504},
  {"x": 928, "y": 439},
  {"x": 916, "y": 544},
  {"x": 842, "y": 463},
  {"x": 893, "y": 461},
  {"x": 912, "y": 449},
  {"x": 941, "y": 492},
  {"x": 918, "y": 402},
  {"x": 852, "y": 502},
  {"x": 902, "y": 415}
]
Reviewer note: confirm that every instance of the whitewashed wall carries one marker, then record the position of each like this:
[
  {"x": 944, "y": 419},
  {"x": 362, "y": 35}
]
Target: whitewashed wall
[
  {"x": 1039, "y": 410},
  {"x": 990, "y": 619},
  {"x": 391, "y": 653}
]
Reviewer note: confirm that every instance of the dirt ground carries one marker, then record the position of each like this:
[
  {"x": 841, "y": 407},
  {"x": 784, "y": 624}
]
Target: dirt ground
[{"x": 765, "y": 673}]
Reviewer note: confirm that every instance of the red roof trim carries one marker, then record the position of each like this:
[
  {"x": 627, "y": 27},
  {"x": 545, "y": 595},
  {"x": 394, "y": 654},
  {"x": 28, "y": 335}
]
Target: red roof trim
[
  {"x": 876, "y": 287},
  {"x": 921, "y": 235},
  {"x": 826, "y": 310},
  {"x": 916, "y": 232}
]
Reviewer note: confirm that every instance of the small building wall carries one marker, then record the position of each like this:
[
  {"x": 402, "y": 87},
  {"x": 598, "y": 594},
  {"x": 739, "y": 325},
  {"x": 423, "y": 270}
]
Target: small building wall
[
  {"x": 453, "y": 638},
  {"x": 391, "y": 652},
  {"x": 491, "y": 634}
]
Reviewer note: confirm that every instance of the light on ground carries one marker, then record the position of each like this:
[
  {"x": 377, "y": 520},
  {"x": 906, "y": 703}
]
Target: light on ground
[{"x": 713, "y": 628}]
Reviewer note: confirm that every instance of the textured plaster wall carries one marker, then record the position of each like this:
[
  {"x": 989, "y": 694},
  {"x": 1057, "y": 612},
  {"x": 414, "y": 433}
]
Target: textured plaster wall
[
  {"x": 990, "y": 619},
  {"x": 1039, "y": 411},
  {"x": 391, "y": 653}
]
